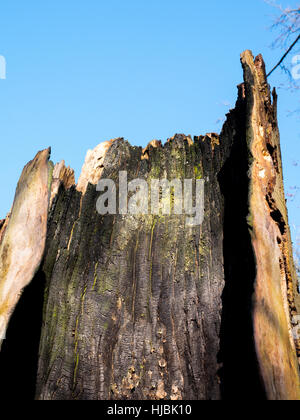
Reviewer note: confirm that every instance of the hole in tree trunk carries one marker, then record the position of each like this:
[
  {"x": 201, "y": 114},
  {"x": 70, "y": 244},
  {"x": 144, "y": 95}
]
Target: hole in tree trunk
[
  {"x": 240, "y": 374},
  {"x": 19, "y": 353}
]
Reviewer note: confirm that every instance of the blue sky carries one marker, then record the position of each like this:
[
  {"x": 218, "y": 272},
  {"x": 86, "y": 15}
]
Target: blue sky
[{"x": 81, "y": 72}]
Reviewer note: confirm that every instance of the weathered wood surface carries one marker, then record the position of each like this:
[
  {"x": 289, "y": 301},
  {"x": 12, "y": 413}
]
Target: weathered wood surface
[
  {"x": 133, "y": 305},
  {"x": 147, "y": 307},
  {"x": 276, "y": 298},
  {"x": 23, "y": 235}
]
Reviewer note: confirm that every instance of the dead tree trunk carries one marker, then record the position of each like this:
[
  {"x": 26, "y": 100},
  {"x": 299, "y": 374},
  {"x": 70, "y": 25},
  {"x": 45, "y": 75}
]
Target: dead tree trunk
[{"x": 148, "y": 307}]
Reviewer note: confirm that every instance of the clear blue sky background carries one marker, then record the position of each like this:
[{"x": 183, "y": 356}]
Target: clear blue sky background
[{"x": 81, "y": 72}]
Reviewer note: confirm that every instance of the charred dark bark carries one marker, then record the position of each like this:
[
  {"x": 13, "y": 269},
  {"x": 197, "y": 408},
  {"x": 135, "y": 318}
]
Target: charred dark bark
[{"x": 134, "y": 301}]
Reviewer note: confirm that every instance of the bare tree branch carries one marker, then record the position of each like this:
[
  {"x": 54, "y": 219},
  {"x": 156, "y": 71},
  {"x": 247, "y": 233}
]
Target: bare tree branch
[
  {"x": 284, "y": 56},
  {"x": 287, "y": 25}
]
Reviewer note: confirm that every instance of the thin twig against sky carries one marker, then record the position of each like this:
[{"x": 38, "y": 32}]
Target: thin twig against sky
[
  {"x": 284, "y": 56},
  {"x": 288, "y": 24}
]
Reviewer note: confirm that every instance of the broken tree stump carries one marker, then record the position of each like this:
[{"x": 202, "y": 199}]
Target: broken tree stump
[{"x": 146, "y": 306}]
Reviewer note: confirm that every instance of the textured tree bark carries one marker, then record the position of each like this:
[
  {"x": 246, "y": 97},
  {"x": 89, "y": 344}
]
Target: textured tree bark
[
  {"x": 148, "y": 307},
  {"x": 133, "y": 303}
]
